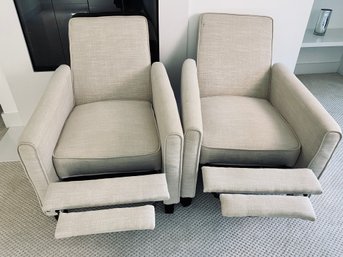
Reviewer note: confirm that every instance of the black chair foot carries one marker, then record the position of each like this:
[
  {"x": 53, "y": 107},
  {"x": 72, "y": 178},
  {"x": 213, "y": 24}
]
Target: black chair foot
[
  {"x": 169, "y": 208},
  {"x": 58, "y": 214},
  {"x": 186, "y": 201},
  {"x": 216, "y": 195}
]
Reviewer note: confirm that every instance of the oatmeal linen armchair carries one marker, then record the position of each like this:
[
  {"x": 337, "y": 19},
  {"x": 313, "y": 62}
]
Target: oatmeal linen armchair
[
  {"x": 111, "y": 113},
  {"x": 240, "y": 110}
]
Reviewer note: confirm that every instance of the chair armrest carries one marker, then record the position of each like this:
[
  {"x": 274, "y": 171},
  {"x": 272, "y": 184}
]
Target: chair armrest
[
  {"x": 42, "y": 131},
  {"x": 316, "y": 130},
  {"x": 170, "y": 129},
  {"x": 192, "y": 124}
]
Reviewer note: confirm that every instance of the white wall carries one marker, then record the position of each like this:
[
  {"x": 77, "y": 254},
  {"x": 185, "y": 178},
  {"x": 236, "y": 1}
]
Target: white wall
[
  {"x": 25, "y": 85},
  {"x": 10, "y": 114},
  {"x": 173, "y": 20},
  {"x": 290, "y": 20}
]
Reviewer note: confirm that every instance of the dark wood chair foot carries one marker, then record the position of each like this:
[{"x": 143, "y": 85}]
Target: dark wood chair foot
[
  {"x": 186, "y": 201},
  {"x": 216, "y": 195},
  {"x": 169, "y": 208}
]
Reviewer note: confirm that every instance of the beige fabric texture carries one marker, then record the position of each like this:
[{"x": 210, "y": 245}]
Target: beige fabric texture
[
  {"x": 110, "y": 58},
  {"x": 317, "y": 131},
  {"x": 111, "y": 87},
  {"x": 286, "y": 128},
  {"x": 171, "y": 133},
  {"x": 267, "y": 206},
  {"x": 104, "y": 192},
  {"x": 105, "y": 221},
  {"x": 234, "y": 54},
  {"x": 261, "y": 181},
  {"x": 192, "y": 125},
  {"x": 108, "y": 137},
  {"x": 41, "y": 133},
  {"x": 246, "y": 131}
]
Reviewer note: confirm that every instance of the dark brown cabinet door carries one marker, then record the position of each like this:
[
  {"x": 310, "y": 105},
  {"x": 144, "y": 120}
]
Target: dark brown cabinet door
[{"x": 45, "y": 25}]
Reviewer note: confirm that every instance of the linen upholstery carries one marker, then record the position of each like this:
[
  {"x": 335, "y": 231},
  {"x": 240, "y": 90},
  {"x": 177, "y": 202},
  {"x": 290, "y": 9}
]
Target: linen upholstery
[
  {"x": 110, "y": 58},
  {"x": 260, "y": 180},
  {"x": 105, "y": 221},
  {"x": 234, "y": 55},
  {"x": 105, "y": 192},
  {"x": 246, "y": 131},
  {"x": 267, "y": 206},
  {"x": 38, "y": 140},
  {"x": 192, "y": 125},
  {"x": 108, "y": 90},
  {"x": 317, "y": 131},
  {"x": 234, "y": 62},
  {"x": 108, "y": 137},
  {"x": 170, "y": 130}
]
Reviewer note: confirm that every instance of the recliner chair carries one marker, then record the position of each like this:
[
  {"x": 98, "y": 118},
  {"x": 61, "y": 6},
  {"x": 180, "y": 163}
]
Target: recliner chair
[
  {"x": 255, "y": 120},
  {"x": 107, "y": 118}
]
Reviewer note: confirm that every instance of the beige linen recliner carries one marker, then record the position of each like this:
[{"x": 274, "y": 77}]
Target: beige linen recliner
[
  {"x": 110, "y": 116},
  {"x": 239, "y": 110}
]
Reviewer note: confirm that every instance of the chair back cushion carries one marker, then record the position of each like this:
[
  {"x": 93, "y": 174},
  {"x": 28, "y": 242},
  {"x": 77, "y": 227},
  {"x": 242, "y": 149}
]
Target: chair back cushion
[
  {"x": 110, "y": 58},
  {"x": 234, "y": 55}
]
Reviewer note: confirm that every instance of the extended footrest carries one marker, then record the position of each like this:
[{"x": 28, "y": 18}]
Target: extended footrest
[
  {"x": 74, "y": 195},
  {"x": 104, "y": 192},
  {"x": 105, "y": 221},
  {"x": 267, "y": 206},
  {"x": 261, "y": 181},
  {"x": 263, "y": 185}
]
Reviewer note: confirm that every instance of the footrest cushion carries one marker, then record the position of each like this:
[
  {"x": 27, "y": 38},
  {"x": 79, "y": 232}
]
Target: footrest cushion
[
  {"x": 105, "y": 221},
  {"x": 261, "y": 181},
  {"x": 267, "y": 206},
  {"x": 105, "y": 192}
]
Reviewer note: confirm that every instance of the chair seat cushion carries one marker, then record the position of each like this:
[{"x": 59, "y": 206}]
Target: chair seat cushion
[
  {"x": 246, "y": 131},
  {"x": 108, "y": 137}
]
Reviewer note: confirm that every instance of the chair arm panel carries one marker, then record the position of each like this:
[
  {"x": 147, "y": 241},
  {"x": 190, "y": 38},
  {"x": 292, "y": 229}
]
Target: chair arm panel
[
  {"x": 170, "y": 129},
  {"x": 192, "y": 123},
  {"x": 39, "y": 138},
  {"x": 316, "y": 130}
]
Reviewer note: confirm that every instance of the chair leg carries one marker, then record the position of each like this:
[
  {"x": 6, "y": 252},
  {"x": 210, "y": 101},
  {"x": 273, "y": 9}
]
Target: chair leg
[
  {"x": 169, "y": 208},
  {"x": 186, "y": 201},
  {"x": 58, "y": 214},
  {"x": 216, "y": 195}
]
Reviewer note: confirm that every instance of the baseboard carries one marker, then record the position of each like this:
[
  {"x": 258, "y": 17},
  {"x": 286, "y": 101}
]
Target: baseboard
[
  {"x": 322, "y": 67},
  {"x": 12, "y": 119},
  {"x": 340, "y": 69}
]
